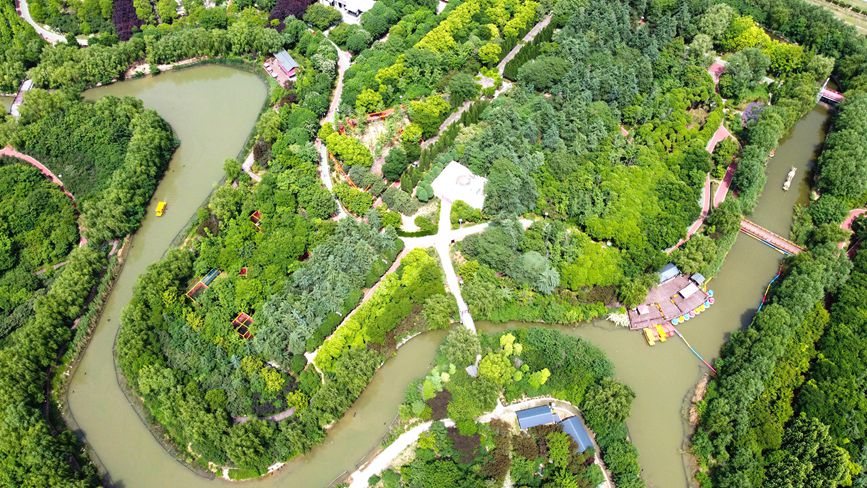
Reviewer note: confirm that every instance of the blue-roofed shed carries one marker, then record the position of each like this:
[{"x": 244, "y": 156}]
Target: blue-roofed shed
[
  {"x": 669, "y": 271},
  {"x": 574, "y": 427},
  {"x": 286, "y": 62},
  {"x": 536, "y": 416}
]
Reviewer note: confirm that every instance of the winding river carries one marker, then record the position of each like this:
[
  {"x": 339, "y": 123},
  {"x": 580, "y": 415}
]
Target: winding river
[{"x": 212, "y": 108}]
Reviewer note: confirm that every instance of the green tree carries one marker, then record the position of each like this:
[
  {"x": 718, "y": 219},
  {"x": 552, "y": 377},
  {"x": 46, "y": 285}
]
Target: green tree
[
  {"x": 321, "y": 16},
  {"x": 368, "y": 101},
  {"x": 461, "y": 347},
  {"x": 462, "y": 87},
  {"x": 428, "y": 113},
  {"x": 489, "y": 54},
  {"x": 439, "y": 311}
]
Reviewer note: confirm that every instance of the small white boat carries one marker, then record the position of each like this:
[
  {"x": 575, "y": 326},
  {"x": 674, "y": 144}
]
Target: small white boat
[{"x": 789, "y": 177}]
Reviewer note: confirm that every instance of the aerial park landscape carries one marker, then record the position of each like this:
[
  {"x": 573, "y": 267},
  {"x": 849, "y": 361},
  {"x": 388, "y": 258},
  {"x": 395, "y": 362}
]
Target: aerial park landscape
[{"x": 420, "y": 243}]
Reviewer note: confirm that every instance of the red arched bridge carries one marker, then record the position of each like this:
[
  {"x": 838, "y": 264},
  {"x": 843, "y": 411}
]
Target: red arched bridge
[
  {"x": 829, "y": 95},
  {"x": 771, "y": 239}
]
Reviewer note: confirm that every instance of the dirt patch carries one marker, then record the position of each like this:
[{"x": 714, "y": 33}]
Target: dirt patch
[
  {"x": 697, "y": 396},
  {"x": 698, "y": 116}
]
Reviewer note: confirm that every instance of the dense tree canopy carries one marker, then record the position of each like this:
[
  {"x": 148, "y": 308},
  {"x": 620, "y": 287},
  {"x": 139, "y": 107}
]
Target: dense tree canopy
[{"x": 38, "y": 228}]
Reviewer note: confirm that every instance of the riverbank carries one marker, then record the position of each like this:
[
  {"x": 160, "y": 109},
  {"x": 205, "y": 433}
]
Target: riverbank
[
  {"x": 385, "y": 458},
  {"x": 204, "y": 106}
]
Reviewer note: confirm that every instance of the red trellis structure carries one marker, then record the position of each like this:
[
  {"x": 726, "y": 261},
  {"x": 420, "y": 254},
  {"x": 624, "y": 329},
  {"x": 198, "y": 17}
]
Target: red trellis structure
[
  {"x": 241, "y": 324},
  {"x": 202, "y": 284},
  {"x": 256, "y": 218}
]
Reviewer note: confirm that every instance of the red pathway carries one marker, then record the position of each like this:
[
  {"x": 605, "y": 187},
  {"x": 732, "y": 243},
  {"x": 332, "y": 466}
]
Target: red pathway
[
  {"x": 706, "y": 199},
  {"x": 724, "y": 186},
  {"x": 847, "y": 223},
  {"x": 9, "y": 151},
  {"x": 717, "y": 137},
  {"x": 705, "y": 209}
]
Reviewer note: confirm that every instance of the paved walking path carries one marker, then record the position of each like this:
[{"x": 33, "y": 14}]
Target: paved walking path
[
  {"x": 455, "y": 116},
  {"x": 384, "y": 459},
  {"x": 344, "y": 60},
  {"x": 708, "y": 200},
  {"x": 528, "y": 38},
  {"x": 442, "y": 244},
  {"x": 14, "y": 109},
  {"x": 277, "y": 417},
  {"x": 847, "y": 223},
  {"x": 718, "y": 136},
  {"x": 705, "y": 210},
  {"x": 311, "y": 356},
  {"x": 247, "y": 166},
  {"x": 9, "y": 151},
  {"x": 45, "y": 32},
  {"x": 723, "y": 190}
]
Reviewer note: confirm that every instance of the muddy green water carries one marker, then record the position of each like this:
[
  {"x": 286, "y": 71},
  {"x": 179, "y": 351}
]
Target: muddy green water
[
  {"x": 798, "y": 149},
  {"x": 5, "y": 103},
  {"x": 212, "y": 109},
  {"x": 663, "y": 376}
]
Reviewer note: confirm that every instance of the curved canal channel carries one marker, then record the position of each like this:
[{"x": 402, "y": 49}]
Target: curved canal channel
[{"x": 211, "y": 109}]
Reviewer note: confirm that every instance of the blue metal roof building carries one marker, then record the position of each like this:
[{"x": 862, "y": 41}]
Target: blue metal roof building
[
  {"x": 536, "y": 416},
  {"x": 286, "y": 61},
  {"x": 574, "y": 427},
  {"x": 669, "y": 271}
]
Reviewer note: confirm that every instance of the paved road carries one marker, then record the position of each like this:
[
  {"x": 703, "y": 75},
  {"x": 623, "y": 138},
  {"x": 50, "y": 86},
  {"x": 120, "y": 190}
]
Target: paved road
[
  {"x": 442, "y": 244},
  {"x": 49, "y": 35},
  {"x": 344, "y": 60}
]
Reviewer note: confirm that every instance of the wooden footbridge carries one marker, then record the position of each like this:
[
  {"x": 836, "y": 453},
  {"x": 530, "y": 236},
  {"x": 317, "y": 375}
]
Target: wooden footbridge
[{"x": 770, "y": 239}]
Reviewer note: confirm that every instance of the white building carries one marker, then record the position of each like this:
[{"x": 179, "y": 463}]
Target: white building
[
  {"x": 350, "y": 9},
  {"x": 457, "y": 182}
]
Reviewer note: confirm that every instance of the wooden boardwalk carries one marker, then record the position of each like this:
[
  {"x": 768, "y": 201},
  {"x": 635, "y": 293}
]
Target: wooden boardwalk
[{"x": 777, "y": 242}]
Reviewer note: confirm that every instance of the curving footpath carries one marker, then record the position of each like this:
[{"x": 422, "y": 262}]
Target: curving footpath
[
  {"x": 507, "y": 413},
  {"x": 49, "y": 35},
  {"x": 847, "y": 223},
  {"x": 344, "y": 60},
  {"x": 10, "y": 152},
  {"x": 708, "y": 200},
  {"x": 247, "y": 166},
  {"x": 723, "y": 190},
  {"x": 705, "y": 210},
  {"x": 501, "y": 68},
  {"x": 441, "y": 244},
  {"x": 14, "y": 109}
]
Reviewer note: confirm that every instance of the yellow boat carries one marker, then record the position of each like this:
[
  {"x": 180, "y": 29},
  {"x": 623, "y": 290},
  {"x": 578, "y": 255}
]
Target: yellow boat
[
  {"x": 161, "y": 208},
  {"x": 649, "y": 336},
  {"x": 661, "y": 332}
]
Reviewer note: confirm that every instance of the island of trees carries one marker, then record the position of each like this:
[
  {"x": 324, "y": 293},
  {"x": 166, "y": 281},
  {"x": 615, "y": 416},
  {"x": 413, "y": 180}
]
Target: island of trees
[{"x": 596, "y": 129}]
